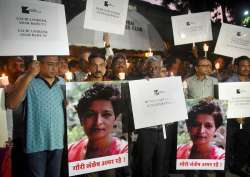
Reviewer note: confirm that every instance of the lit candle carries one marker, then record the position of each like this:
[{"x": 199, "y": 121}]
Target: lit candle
[
  {"x": 217, "y": 66},
  {"x": 4, "y": 81},
  {"x": 205, "y": 48},
  {"x": 121, "y": 76},
  {"x": 34, "y": 57},
  {"x": 68, "y": 76},
  {"x": 184, "y": 84},
  {"x": 150, "y": 52},
  {"x": 171, "y": 74}
]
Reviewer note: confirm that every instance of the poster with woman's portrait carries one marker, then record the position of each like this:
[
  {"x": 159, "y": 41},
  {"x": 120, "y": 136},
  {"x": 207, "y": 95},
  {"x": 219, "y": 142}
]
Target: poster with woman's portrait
[
  {"x": 94, "y": 128},
  {"x": 201, "y": 139}
]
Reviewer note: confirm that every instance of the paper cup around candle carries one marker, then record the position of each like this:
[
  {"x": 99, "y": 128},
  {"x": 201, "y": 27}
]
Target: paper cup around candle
[
  {"x": 68, "y": 76},
  {"x": 121, "y": 76}
]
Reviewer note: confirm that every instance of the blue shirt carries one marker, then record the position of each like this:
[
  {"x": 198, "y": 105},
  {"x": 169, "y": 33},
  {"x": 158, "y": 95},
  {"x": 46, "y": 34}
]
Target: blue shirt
[
  {"x": 45, "y": 115},
  {"x": 235, "y": 78}
]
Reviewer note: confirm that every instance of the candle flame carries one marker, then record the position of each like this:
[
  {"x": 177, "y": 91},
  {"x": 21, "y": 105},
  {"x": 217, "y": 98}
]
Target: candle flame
[
  {"x": 68, "y": 76},
  {"x": 205, "y": 47}
]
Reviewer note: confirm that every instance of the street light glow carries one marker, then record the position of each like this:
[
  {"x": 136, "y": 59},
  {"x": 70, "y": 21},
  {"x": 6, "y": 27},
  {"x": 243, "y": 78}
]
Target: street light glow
[{"x": 246, "y": 12}]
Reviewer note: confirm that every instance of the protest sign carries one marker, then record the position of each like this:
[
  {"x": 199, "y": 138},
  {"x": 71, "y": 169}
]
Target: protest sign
[
  {"x": 233, "y": 41},
  {"x": 192, "y": 28},
  {"x": 107, "y": 16},
  {"x": 94, "y": 127},
  {"x": 32, "y": 28},
  {"x": 158, "y": 103},
  {"x": 204, "y": 129},
  {"x": 238, "y": 96}
]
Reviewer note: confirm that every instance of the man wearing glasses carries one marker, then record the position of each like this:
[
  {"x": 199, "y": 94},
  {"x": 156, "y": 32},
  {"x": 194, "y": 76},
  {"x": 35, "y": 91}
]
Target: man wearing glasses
[{"x": 200, "y": 85}]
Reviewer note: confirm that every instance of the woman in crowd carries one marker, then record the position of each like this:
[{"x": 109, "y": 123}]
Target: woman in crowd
[
  {"x": 97, "y": 111},
  {"x": 203, "y": 121}
]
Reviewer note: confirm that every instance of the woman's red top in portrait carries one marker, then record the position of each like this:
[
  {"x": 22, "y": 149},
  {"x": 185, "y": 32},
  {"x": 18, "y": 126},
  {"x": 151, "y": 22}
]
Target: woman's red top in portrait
[
  {"x": 77, "y": 151},
  {"x": 184, "y": 150}
]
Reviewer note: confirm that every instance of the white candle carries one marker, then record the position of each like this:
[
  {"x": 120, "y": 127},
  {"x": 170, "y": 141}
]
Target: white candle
[
  {"x": 150, "y": 52},
  {"x": 121, "y": 76},
  {"x": 205, "y": 47},
  {"x": 4, "y": 81},
  {"x": 34, "y": 57},
  {"x": 68, "y": 76}
]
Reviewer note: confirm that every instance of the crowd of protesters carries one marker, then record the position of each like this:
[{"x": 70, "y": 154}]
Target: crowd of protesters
[{"x": 37, "y": 102}]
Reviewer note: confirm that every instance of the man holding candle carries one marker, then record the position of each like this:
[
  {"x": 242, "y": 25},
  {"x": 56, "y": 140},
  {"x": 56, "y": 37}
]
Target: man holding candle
[{"x": 41, "y": 90}]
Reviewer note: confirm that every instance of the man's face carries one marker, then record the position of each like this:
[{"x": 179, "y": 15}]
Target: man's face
[
  {"x": 204, "y": 67},
  {"x": 244, "y": 68},
  {"x": 153, "y": 69},
  {"x": 99, "y": 120},
  {"x": 15, "y": 67},
  {"x": 97, "y": 67},
  {"x": 49, "y": 67},
  {"x": 120, "y": 66},
  {"x": 62, "y": 67}
]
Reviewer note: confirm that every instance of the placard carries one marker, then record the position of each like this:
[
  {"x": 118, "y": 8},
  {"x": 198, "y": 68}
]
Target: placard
[
  {"x": 94, "y": 127},
  {"x": 233, "y": 41},
  {"x": 195, "y": 27},
  {"x": 238, "y": 96},
  {"x": 3, "y": 121},
  {"x": 201, "y": 139},
  {"x": 157, "y": 101},
  {"x": 32, "y": 28},
  {"x": 107, "y": 16}
]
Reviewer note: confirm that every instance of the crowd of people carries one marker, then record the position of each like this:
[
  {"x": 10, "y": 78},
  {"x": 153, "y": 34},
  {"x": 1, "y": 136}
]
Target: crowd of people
[{"x": 36, "y": 97}]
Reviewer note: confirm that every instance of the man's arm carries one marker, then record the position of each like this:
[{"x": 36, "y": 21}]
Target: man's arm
[{"x": 14, "y": 97}]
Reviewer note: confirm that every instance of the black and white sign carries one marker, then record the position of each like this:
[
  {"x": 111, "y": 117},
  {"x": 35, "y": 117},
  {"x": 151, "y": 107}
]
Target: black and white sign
[
  {"x": 161, "y": 102},
  {"x": 238, "y": 96},
  {"x": 191, "y": 28},
  {"x": 233, "y": 41},
  {"x": 32, "y": 28},
  {"x": 106, "y": 15}
]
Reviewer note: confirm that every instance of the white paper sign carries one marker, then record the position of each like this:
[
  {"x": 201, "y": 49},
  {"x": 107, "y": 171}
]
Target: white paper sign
[
  {"x": 32, "y": 28},
  {"x": 157, "y": 101},
  {"x": 233, "y": 41},
  {"x": 3, "y": 122},
  {"x": 107, "y": 16},
  {"x": 238, "y": 96},
  {"x": 191, "y": 28}
]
